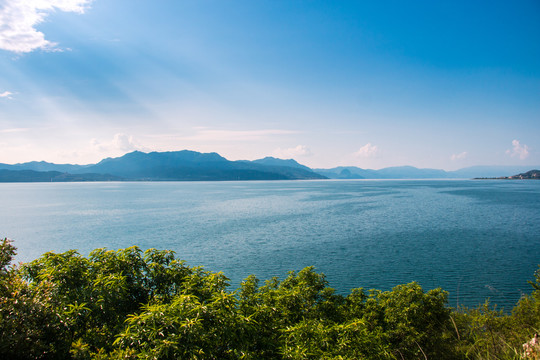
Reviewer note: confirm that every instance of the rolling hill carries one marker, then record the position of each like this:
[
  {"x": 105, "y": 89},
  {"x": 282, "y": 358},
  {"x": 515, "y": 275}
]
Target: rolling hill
[
  {"x": 161, "y": 166},
  {"x": 188, "y": 165}
]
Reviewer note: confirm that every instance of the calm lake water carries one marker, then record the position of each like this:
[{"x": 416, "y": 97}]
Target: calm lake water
[{"x": 476, "y": 239}]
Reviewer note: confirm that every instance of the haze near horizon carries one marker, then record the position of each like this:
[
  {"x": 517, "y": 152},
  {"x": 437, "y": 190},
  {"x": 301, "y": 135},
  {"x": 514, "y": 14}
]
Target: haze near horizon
[{"x": 430, "y": 85}]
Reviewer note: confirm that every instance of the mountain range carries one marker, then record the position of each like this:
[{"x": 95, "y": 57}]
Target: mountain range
[
  {"x": 410, "y": 172},
  {"x": 161, "y": 166},
  {"x": 188, "y": 165}
]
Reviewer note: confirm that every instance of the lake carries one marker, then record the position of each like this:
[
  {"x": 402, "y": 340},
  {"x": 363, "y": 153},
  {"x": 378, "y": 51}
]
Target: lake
[{"x": 476, "y": 239}]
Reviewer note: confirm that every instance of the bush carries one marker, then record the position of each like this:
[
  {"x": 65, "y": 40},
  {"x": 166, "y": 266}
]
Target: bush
[{"x": 132, "y": 304}]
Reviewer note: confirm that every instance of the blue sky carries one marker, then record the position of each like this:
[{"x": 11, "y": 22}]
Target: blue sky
[{"x": 369, "y": 84}]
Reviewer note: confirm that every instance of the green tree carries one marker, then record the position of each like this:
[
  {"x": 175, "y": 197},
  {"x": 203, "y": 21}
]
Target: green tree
[
  {"x": 30, "y": 326},
  {"x": 132, "y": 304},
  {"x": 94, "y": 295},
  {"x": 188, "y": 328}
]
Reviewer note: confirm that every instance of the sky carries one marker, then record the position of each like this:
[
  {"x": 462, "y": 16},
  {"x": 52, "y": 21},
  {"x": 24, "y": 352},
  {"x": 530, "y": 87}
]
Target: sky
[{"x": 371, "y": 84}]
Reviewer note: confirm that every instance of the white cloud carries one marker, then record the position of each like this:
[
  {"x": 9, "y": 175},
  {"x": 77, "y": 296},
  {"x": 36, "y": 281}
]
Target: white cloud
[
  {"x": 367, "y": 151},
  {"x": 124, "y": 142},
  {"x": 518, "y": 150},
  {"x": 18, "y": 19},
  {"x": 6, "y": 94},
  {"x": 300, "y": 150},
  {"x": 459, "y": 156},
  {"x": 120, "y": 142}
]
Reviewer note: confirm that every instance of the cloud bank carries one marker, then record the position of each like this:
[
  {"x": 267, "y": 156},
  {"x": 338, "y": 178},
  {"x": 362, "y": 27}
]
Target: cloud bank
[
  {"x": 522, "y": 151},
  {"x": 18, "y": 19}
]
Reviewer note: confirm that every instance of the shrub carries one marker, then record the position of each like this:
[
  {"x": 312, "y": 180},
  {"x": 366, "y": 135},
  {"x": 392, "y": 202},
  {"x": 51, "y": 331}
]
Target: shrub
[{"x": 132, "y": 304}]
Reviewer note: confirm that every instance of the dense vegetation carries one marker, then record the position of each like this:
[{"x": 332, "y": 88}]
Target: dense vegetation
[{"x": 129, "y": 304}]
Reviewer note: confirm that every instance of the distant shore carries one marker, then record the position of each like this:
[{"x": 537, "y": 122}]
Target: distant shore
[{"x": 529, "y": 175}]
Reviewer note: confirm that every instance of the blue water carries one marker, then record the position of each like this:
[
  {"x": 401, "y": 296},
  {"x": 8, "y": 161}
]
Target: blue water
[{"x": 476, "y": 239}]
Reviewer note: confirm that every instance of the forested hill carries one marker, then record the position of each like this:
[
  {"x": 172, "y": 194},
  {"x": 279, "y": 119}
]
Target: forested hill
[
  {"x": 529, "y": 175},
  {"x": 51, "y": 176},
  {"x": 188, "y": 165},
  {"x": 161, "y": 166}
]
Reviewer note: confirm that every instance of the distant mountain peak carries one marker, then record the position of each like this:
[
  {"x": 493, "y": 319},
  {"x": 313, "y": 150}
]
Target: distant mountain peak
[
  {"x": 193, "y": 165},
  {"x": 272, "y": 161},
  {"x": 275, "y": 158}
]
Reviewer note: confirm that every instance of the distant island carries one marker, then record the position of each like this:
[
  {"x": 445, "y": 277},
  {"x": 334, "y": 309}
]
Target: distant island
[
  {"x": 188, "y": 165},
  {"x": 529, "y": 175}
]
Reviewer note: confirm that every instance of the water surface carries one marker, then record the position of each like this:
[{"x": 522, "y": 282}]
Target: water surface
[{"x": 475, "y": 239}]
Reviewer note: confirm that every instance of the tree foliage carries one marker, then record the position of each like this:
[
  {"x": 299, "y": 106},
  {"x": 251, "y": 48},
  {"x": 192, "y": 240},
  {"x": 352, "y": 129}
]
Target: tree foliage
[{"x": 131, "y": 304}]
